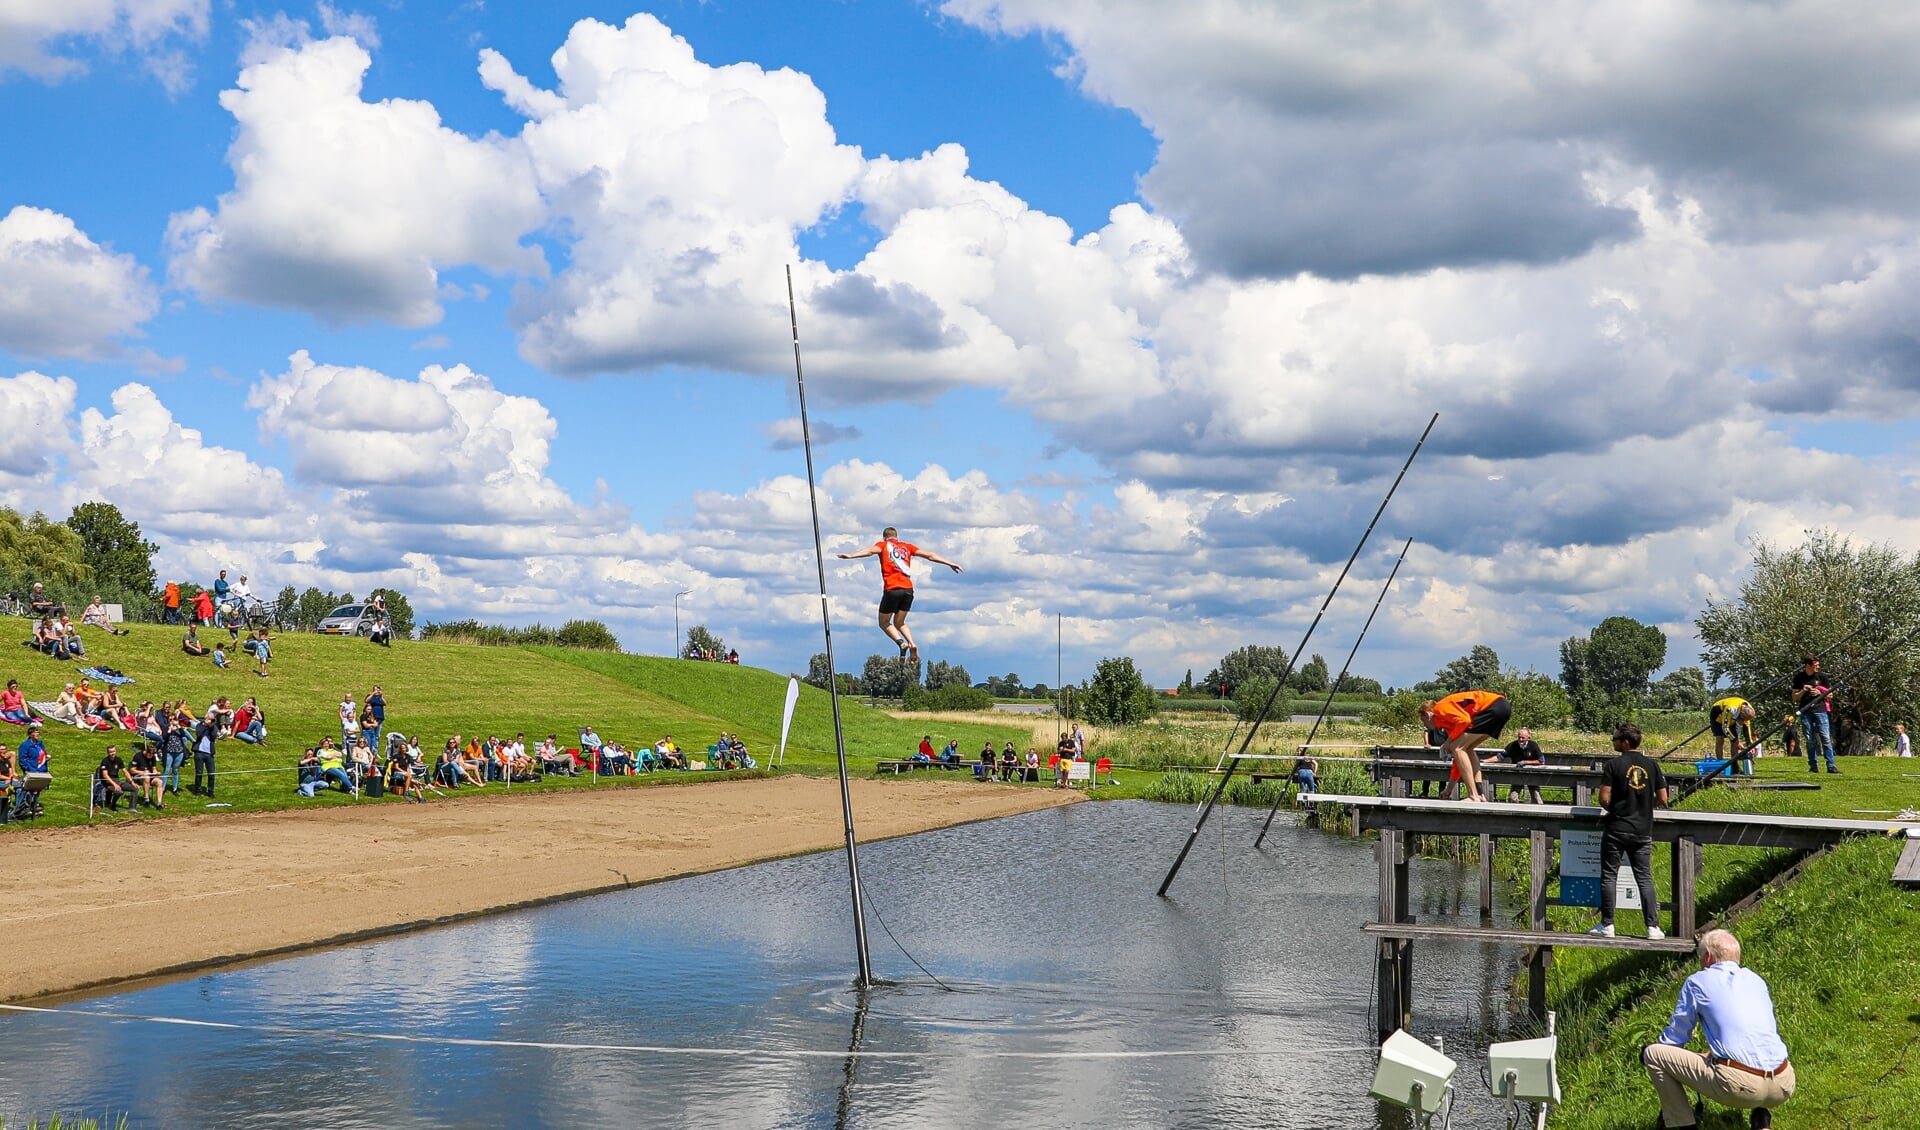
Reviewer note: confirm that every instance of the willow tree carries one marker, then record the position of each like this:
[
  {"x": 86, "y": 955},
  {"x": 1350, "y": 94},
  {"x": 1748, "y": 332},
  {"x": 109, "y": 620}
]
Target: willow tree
[
  {"x": 37, "y": 549},
  {"x": 1828, "y": 597}
]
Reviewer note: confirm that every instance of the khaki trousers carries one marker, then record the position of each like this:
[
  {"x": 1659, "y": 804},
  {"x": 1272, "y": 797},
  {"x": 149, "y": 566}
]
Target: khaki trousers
[{"x": 1676, "y": 1070}]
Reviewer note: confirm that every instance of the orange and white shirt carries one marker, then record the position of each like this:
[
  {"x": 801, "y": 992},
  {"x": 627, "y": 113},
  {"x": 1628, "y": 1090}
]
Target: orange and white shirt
[{"x": 896, "y": 563}]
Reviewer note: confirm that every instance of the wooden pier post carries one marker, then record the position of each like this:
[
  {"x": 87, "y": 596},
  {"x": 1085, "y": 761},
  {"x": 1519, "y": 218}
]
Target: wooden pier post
[
  {"x": 1486, "y": 877},
  {"x": 1542, "y": 956}
]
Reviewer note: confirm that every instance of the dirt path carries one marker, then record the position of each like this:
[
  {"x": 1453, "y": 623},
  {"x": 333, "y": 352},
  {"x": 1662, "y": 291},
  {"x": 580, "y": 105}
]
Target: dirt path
[{"x": 93, "y": 906}]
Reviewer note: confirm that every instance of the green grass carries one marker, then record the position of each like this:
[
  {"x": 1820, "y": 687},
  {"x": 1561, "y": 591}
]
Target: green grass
[
  {"x": 434, "y": 690},
  {"x": 66, "y": 1122}
]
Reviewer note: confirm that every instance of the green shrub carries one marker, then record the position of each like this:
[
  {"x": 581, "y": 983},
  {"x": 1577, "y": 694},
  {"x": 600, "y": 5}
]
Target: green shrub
[{"x": 953, "y": 696}]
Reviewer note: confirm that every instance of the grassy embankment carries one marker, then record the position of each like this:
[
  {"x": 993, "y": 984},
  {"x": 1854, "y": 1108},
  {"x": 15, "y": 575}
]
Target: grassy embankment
[{"x": 434, "y": 690}]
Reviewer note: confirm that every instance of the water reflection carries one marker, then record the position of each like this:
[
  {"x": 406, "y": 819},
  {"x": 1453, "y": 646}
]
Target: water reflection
[{"x": 1045, "y": 925}]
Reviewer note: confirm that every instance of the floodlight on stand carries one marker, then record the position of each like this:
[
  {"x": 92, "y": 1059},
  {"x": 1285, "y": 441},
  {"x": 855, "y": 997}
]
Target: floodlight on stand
[
  {"x": 1413, "y": 1075},
  {"x": 1525, "y": 1071}
]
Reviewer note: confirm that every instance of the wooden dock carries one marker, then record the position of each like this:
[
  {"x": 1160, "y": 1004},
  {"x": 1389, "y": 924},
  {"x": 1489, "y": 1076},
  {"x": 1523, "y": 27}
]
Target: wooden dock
[{"x": 1396, "y": 818}]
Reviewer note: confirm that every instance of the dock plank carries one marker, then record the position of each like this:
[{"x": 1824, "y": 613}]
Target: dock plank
[
  {"x": 1485, "y": 935},
  {"x": 1907, "y": 871}
]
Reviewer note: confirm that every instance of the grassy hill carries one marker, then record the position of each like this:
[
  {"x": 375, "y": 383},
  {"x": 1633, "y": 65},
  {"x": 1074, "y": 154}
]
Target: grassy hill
[{"x": 436, "y": 690}]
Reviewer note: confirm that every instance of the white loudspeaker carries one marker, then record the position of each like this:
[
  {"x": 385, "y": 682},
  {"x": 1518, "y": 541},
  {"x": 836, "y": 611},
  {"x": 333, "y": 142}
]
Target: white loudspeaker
[
  {"x": 1525, "y": 1070},
  {"x": 1411, "y": 1074}
]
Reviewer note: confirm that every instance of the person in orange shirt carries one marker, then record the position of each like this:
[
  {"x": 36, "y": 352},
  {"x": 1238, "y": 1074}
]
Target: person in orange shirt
[
  {"x": 1469, "y": 718},
  {"x": 896, "y": 585}
]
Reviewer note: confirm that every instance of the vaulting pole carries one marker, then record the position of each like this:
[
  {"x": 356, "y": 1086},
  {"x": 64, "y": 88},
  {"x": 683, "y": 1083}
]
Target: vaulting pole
[
  {"x": 833, "y": 681},
  {"x": 1770, "y": 684},
  {"x": 1280, "y": 685},
  {"x": 1865, "y": 666},
  {"x": 1334, "y": 687}
]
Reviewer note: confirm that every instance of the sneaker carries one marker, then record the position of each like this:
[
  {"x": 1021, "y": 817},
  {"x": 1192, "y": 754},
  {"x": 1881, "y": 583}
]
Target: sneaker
[
  {"x": 1762, "y": 1119},
  {"x": 1604, "y": 930},
  {"x": 1834, "y": 770},
  {"x": 1655, "y": 933}
]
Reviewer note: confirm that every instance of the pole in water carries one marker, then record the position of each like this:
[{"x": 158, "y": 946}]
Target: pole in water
[
  {"x": 833, "y": 683},
  {"x": 1335, "y": 687},
  {"x": 1233, "y": 763}
]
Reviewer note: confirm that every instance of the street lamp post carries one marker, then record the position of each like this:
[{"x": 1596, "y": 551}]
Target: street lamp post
[{"x": 676, "y": 620}]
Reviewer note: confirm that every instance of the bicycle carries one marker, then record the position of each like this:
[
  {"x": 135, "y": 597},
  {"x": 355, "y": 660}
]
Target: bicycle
[{"x": 12, "y": 605}]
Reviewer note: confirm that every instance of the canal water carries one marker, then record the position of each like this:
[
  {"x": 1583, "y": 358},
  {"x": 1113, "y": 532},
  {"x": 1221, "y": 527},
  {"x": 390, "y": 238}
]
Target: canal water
[{"x": 725, "y": 1000}]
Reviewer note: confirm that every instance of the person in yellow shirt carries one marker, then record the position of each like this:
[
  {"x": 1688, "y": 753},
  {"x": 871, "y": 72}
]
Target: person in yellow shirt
[{"x": 1732, "y": 717}]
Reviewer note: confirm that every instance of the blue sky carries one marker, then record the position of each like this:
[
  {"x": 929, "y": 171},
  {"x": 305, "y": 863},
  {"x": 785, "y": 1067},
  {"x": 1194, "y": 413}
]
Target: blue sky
[{"x": 1132, "y": 311}]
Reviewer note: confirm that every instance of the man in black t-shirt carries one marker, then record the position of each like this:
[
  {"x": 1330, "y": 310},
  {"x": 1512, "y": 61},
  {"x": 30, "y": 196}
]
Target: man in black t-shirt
[
  {"x": 1810, "y": 694},
  {"x": 1523, "y": 750},
  {"x": 110, "y": 780},
  {"x": 1630, "y": 785}
]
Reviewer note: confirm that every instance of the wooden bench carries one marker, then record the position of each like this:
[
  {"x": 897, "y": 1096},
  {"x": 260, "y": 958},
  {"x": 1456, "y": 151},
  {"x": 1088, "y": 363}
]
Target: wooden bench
[{"x": 907, "y": 765}]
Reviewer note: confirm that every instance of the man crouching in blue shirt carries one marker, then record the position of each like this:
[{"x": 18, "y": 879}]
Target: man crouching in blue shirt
[{"x": 1745, "y": 1066}]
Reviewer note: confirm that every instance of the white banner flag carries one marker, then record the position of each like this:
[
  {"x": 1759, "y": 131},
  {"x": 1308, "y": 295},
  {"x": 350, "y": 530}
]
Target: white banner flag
[{"x": 786, "y": 721}]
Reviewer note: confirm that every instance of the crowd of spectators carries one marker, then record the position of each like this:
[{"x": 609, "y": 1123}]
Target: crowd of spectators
[{"x": 168, "y": 733}]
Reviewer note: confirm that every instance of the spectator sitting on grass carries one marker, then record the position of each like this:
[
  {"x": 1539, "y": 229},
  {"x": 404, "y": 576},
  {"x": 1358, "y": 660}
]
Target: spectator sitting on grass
[
  {"x": 96, "y": 616},
  {"x": 13, "y": 705},
  {"x": 615, "y": 760},
  {"x": 66, "y": 708},
  {"x": 220, "y": 655},
  {"x": 250, "y": 723},
  {"x": 333, "y": 770},
  {"x": 113, "y": 710},
  {"x": 47, "y": 638},
  {"x": 519, "y": 765},
  {"x": 38, "y": 602},
  {"x": 9, "y": 780},
  {"x": 190, "y": 643},
  {"x": 590, "y": 744},
  {"x": 669, "y": 753}
]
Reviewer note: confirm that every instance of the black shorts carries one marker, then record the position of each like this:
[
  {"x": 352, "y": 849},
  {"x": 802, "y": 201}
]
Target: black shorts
[
  {"x": 1493, "y": 719},
  {"x": 895, "y": 600},
  {"x": 1718, "y": 727}
]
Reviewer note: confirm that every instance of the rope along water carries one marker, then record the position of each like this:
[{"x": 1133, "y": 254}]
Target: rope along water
[{"x": 658, "y": 1049}]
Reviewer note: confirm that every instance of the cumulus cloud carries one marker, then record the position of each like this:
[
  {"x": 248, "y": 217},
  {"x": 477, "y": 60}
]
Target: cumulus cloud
[
  {"x": 683, "y": 185},
  {"x": 62, "y": 294},
  {"x": 1325, "y": 138},
  {"x": 33, "y": 34},
  {"x": 348, "y": 209}
]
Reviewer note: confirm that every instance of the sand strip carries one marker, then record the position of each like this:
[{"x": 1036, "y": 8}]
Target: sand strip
[{"x": 101, "y": 905}]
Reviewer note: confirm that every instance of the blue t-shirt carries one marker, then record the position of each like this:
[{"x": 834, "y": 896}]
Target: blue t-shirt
[{"x": 377, "y": 704}]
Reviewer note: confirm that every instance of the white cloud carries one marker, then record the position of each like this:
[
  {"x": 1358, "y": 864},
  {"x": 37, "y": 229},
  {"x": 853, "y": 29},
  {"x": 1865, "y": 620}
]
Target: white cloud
[
  {"x": 167, "y": 476},
  {"x": 348, "y": 209},
  {"x": 682, "y": 185},
  {"x": 33, "y": 34},
  {"x": 62, "y": 294},
  {"x": 1339, "y": 139}
]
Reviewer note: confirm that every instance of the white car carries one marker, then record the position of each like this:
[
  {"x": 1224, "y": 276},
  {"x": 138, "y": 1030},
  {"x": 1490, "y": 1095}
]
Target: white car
[{"x": 348, "y": 620}]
